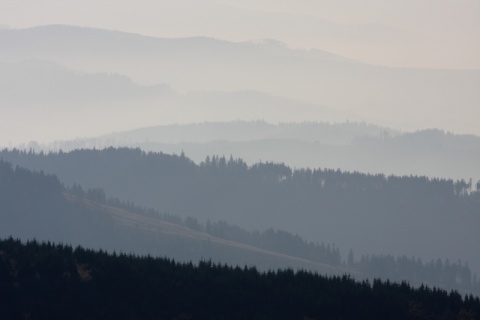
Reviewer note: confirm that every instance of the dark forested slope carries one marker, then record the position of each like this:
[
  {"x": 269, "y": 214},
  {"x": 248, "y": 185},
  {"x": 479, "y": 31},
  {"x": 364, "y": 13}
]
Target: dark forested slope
[
  {"x": 428, "y": 218},
  {"x": 47, "y": 281},
  {"x": 35, "y": 205},
  {"x": 32, "y": 205}
]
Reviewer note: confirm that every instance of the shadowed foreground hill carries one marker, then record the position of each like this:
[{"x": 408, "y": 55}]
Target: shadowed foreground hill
[{"x": 47, "y": 281}]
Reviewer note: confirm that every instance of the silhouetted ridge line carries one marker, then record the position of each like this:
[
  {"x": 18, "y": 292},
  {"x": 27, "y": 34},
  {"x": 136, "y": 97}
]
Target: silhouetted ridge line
[
  {"x": 383, "y": 217},
  {"x": 44, "y": 280}
]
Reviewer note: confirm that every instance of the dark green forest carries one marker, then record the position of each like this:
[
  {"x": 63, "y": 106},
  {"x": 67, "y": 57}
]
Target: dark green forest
[{"x": 49, "y": 281}]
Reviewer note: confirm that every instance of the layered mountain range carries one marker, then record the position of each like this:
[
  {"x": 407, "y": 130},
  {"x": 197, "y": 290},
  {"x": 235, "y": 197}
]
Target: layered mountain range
[{"x": 222, "y": 80}]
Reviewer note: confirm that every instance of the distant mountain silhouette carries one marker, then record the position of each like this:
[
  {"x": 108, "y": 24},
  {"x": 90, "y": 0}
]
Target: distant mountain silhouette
[
  {"x": 30, "y": 91},
  {"x": 347, "y": 146},
  {"x": 38, "y": 83},
  {"x": 396, "y": 97}
]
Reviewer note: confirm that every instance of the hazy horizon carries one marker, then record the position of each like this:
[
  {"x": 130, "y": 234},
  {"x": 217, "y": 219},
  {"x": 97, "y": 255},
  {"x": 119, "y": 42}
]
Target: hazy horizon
[
  {"x": 404, "y": 65},
  {"x": 427, "y": 34},
  {"x": 285, "y": 132}
]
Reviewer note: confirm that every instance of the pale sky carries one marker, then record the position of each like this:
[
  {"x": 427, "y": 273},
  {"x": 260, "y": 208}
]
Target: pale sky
[{"x": 407, "y": 33}]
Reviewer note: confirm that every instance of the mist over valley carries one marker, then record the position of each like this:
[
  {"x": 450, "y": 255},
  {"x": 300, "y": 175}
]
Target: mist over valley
[{"x": 254, "y": 160}]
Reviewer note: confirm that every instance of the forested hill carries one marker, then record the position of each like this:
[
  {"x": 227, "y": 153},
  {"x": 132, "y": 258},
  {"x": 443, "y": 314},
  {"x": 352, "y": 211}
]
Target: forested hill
[
  {"x": 48, "y": 281},
  {"x": 427, "y": 218},
  {"x": 31, "y": 205},
  {"x": 350, "y": 146},
  {"x": 36, "y": 206}
]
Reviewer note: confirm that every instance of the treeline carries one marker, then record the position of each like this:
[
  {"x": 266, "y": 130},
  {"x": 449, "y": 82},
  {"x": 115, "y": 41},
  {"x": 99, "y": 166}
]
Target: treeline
[
  {"x": 439, "y": 273},
  {"x": 443, "y": 274},
  {"x": 370, "y": 213},
  {"x": 49, "y": 281},
  {"x": 275, "y": 240},
  {"x": 35, "y": 205},
  {"x": 32, "y": 206},
  {"x": 279, "y": 241}
]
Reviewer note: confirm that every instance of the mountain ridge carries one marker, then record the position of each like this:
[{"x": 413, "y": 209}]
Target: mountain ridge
[
  {"x": 376, "y": 94},
  {"x": 349, "y": 146},
  {"x": 35, "y": 206},
  {"x": 156, "y": 224},
  {"x": 319, "y": 204}
]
